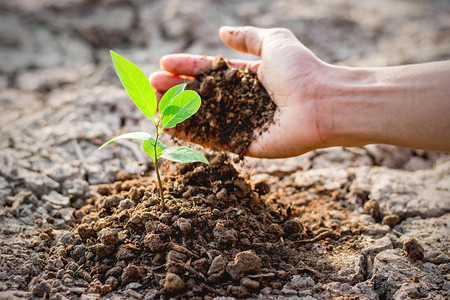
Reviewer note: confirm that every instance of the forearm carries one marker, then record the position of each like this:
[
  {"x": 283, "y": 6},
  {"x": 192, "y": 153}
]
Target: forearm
[{"x": 406, "y": 106}]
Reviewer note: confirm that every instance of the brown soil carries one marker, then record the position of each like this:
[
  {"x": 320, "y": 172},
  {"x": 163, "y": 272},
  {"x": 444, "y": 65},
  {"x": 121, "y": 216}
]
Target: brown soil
[
  {"x": 235, "y": 106},
  {"x": 219, "y": 236}
]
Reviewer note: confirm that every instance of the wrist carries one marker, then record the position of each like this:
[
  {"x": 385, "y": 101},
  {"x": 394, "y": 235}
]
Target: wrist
[{"x": 344, "y": 113}]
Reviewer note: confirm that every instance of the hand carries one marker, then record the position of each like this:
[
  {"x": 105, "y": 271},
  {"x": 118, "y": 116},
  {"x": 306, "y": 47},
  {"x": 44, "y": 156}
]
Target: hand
[
  {"x": 288, "y": 71},
  {"x": 321, "y": 105}
]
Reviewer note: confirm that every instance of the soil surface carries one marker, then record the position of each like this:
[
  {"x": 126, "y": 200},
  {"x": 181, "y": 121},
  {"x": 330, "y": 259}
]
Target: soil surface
[
  {"x": 220, "y": 236},
  {"x": 235, "y": 108},
  {"x": 77, "y": 223}
]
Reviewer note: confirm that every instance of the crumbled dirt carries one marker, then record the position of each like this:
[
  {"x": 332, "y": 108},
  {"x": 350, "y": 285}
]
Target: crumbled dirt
[
  {"x": 218, "y": 236},
  {"x": 235, "y": 108}
]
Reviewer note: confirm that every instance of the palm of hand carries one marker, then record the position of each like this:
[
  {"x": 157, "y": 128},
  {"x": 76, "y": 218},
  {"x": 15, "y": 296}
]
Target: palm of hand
[{"x": 289, "y": 76}]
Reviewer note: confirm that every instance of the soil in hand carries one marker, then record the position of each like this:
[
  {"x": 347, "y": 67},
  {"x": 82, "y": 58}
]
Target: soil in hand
[{"x": 235, "y": 108}]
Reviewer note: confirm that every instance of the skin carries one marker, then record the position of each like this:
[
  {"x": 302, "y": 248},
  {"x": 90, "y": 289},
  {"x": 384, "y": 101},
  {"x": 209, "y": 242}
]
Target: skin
[{"x": 322, "y": 105}]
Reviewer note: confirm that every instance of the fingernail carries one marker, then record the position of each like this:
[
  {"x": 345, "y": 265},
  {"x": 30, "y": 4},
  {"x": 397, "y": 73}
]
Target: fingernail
[{"x": 228, "y": 29}]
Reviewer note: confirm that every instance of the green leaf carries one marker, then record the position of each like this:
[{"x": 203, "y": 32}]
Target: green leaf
[
  {"x": 139, "y": 136},
  {"x": 136, "y": 83},
  {"x": 184, "y": 155},
  {"x": 180, "y": 108},
  {"x": 149, "y": 148},
  {"x": 169, "y": 95}
]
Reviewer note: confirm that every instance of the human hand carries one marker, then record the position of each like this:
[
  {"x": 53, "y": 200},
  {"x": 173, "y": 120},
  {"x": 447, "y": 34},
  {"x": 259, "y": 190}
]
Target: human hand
[
  {"x": 322, "y": 105},
  {"x": 288, "y": 71}
]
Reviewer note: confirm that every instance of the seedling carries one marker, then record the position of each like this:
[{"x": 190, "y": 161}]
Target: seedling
[{"x": 175, "y": 106}]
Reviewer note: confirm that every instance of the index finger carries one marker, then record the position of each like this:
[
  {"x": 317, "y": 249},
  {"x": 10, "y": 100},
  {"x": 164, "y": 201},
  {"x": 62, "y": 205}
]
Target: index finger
[{"x": 192, "y": 65}]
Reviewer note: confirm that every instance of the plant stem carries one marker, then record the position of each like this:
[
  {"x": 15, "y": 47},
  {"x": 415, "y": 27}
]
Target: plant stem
[{"x": 161, "y": 193}]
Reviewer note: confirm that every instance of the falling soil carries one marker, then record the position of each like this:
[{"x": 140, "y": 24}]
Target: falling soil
[
  {"x": 220, "y": 236},
  {"x": 235, "y": 108}
]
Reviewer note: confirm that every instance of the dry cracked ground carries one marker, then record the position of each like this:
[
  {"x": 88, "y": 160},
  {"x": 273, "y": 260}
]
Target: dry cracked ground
[{"x": 60, "y": 99}]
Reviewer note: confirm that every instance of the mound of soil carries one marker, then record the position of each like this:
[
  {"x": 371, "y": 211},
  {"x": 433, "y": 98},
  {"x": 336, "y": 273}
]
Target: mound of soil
[
  {"x": 235, "y": 108},
  {"x": 218, "y": 237}
]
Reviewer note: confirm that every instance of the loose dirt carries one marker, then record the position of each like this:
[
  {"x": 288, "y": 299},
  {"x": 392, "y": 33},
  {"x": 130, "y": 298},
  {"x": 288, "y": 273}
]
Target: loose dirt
[
  {"x": 235, "y": 108},
  {"x": 220, "y": 236}
]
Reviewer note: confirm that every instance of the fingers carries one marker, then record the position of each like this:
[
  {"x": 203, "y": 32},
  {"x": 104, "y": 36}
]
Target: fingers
[
  {"x": 244, "y": 39},
  {"x": 162, "y": 81},
  {"x": 192, "y": 65},
  {"x": 185, "y": 64}
]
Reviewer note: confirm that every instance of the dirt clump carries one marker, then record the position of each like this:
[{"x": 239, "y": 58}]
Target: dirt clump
[
  {"x": 235, "y": 106},
  {"x": 243, "y": 263},
  {"x": 414, "y": 249},
  {"x": 390, "y": 220},
  {"x": 372, "y": 208}
]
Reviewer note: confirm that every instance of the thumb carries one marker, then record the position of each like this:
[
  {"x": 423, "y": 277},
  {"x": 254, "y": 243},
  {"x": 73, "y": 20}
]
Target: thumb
[
  {"x": 251, "y": 39},
  {"x": 243, "y": 39}
]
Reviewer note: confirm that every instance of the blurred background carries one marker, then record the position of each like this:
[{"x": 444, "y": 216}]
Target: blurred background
[
  {"x": 49, "y": 33},
  {"x": 60, "y": 97}
]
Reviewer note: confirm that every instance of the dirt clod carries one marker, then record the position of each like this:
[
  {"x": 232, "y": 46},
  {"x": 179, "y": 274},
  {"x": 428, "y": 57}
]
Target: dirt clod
[
  {"x": 293, "y": 226},
  {"x": 239, "y": 292},
  {"x": 372, "y": 208},
  {"x": 153, "y": 242},
  {"x": 109, "y": 236},
  {"x": 390, "y": 220},
  {"x": 112, "y": 282},
  {"x": 175, "y": 262},
  {"x": 108, "y": 202},
  {"x": 249, "y": 283},
  {"x": 173, "y": 283},
  {"x": 224, "y": 236},
  {"x": 41, "y": 289},
  {"x": 102, "y": 250},
  {"x": 414, "y": 249},
  {"x": 234, "y": 106},
  {"x": 184, "y": 225},
  {"x": 104, "y": 190},
  {"x": 130, "y": 274},
  {"x": 217, "y": 266},
  {"x": 100, "y": 288},
  {"x": 262, "y": 187},
  {"x": 245, "y": 262},
  {"x": 222, "y": 195}
]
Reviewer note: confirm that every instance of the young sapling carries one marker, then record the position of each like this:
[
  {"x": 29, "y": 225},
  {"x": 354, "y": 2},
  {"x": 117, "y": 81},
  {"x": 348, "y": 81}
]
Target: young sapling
[{"x": 175, "y": 106}]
